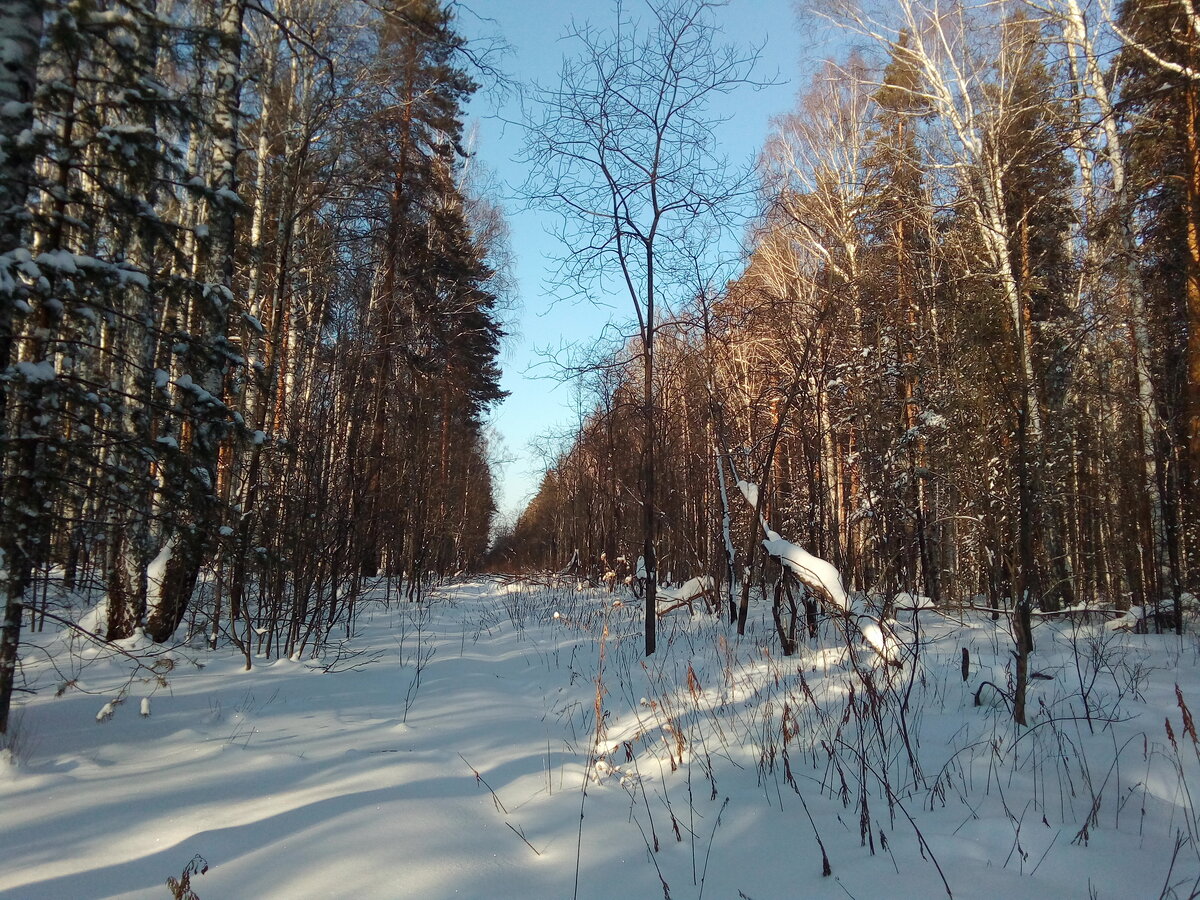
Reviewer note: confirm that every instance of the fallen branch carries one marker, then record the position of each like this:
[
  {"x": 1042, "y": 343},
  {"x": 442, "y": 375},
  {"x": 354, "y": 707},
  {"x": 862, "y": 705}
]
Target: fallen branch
[
  {"x": 700, "y": 587},
  {"x": 479, "y": 778},
  {"x": 824, "y": 580},
  {"x": 518, "y": 833}
]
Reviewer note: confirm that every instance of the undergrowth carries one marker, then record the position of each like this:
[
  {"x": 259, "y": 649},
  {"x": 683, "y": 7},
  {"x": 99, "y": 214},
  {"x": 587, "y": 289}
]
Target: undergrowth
[{"x": 898, "y": 750}]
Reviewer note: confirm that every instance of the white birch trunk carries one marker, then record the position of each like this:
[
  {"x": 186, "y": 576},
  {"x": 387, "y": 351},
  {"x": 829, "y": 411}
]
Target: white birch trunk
[{"x": 1091, "y": 83}]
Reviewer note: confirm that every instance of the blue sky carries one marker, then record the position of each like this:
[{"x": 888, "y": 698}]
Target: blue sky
[{"x": 538, "y": 403}]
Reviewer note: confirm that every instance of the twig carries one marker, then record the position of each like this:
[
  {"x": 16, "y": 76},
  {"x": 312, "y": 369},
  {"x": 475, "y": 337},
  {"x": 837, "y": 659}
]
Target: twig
[
  {"x": 518, "y": 833},
  {"x": 896, "y": 800},
  {"x": 708, "y": 850},
  {"x": 653, "y": 854},
  {"x": 481, "y": 780},
  {"x": 579, "y": 839},
  {"x": 1180, "y": 842},
  {"x": 826, "y": 868},
  {"x": 1002, "y": 694}
]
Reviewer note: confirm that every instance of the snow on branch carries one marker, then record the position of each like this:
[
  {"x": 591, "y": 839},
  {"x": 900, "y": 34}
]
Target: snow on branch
[
  {"x": 670, "y": 599},
  {"x": 813, "y": 571},
  {"x": 823, "y": 578}
]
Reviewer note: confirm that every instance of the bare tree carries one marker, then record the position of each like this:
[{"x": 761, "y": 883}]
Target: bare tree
[{"x": 625, "y": 152}]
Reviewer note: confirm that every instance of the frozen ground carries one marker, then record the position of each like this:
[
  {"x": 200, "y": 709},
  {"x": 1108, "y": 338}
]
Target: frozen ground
[{"x": 445, "y": 753}]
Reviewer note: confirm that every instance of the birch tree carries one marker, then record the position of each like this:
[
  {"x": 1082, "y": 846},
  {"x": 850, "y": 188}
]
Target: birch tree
[{"x": 969, "y": 79}]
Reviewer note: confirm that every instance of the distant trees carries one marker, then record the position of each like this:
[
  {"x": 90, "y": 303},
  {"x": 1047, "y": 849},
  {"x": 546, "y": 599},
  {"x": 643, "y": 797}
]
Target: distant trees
[
  {"x": 966, "y": 315},
  {"x": 1159, "y": 84},
  {"x": 249, "y": 315}
]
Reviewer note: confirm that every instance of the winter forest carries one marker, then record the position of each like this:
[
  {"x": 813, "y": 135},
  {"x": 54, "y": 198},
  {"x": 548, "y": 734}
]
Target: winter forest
[{"x": 869, "y": 568}]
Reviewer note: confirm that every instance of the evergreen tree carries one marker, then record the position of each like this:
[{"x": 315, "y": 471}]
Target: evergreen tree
[
  {"x": 1161, "y": 105},
  {"x": 1033, "y": 143},
  {"x": 897, "y": 223}
]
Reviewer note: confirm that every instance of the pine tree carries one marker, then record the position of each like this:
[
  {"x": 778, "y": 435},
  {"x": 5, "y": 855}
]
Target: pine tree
[
  {"x": 1162, "y": 107},
  {"x": 21, "y": 25},
  {"x": 1037, "y": 182},
  {"x": 897, "y": 222}
]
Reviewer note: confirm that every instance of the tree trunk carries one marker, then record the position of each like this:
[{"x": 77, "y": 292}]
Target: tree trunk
[
  {"x": 1192, "y": 211},
  {"x": 649, "y": 463},
  {"x": 21, "y": 24},
  {"x": 194, "y": 534}
]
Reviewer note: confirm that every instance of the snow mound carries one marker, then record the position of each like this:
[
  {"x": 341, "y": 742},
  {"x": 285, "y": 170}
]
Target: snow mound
[{"x": 689, "y": 590}]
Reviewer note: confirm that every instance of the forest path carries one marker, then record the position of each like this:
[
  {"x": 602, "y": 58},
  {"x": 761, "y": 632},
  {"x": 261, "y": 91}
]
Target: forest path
[{"x": 443, "y": 755}]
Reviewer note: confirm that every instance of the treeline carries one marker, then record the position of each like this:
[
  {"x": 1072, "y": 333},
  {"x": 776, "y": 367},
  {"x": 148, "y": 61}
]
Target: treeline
[
  {"x": 964, "y": 353},
  {"x": 249, "y": 324}
]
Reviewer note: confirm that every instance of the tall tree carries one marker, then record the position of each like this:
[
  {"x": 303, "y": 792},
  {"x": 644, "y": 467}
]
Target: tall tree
[
  {"x": 21, "y": 26},
  {"x": 897, "y": 221},
  {"x": 206, "y": 418},
  {"x": 1159, "y": 85},
  {"x": 625, "y": 152}
]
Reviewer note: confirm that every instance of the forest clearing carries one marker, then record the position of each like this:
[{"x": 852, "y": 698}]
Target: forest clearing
[
  {"x": 452, "y": 748},
  {"x": 857, "y": 554}
]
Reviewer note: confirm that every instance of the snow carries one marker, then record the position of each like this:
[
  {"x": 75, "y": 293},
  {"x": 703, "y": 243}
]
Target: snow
[
  {"x": 36, "y": 372},
  {"x": 1129, "y": 619},
  {"x": 156, "y": 572},
  {"x": 306, "y": 779},
  {"x": 907, "y": 601},
  {"x": 689, "y": 590},
  {"x": 134, "y": 277},
  {"x": 812, "y": 570},
  {"x": 107, "y": 710},
  {"x": 63, "y": 261},
  {"x": 185, "y": 382},
  {"x": 749, "y": 491}
]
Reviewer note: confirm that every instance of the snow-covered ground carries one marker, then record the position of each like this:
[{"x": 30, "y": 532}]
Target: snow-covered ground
[{"x": 447, "y": 750}]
